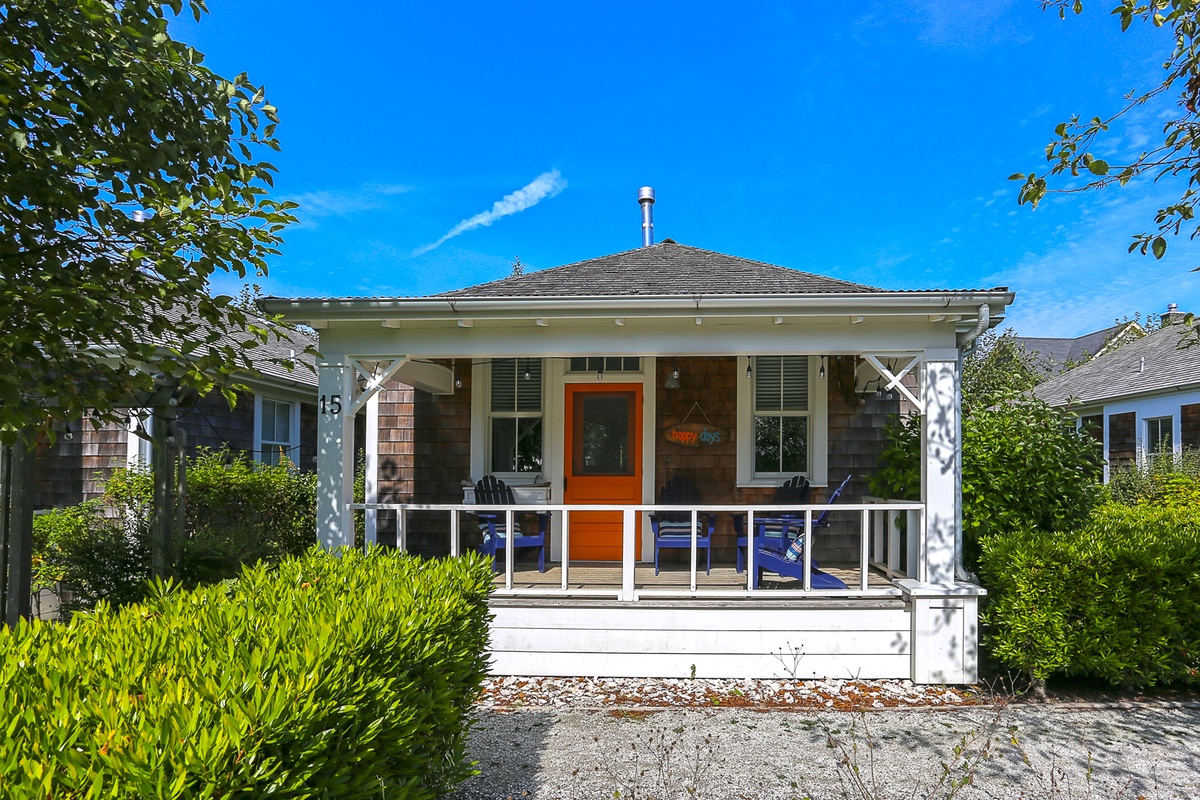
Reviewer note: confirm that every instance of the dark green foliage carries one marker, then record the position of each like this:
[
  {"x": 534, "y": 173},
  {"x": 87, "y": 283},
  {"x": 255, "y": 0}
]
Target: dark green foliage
[
  {"x": 334, "y": 676},
  {"x": 1115, "y": 600},
  {"x": 100, "y": 557},
  {"x": 238, "y": 512},
  {"x": 132, "y": 174},
  {"x": 1024, "y": 465}
]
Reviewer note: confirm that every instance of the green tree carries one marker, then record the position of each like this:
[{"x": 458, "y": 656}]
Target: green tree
[
  {"x": 128, "y": 177},
  {"x": 1075, "y": 152},
  {"x": 999, "y": 366}
]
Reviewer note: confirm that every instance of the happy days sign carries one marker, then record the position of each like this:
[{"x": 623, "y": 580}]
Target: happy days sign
[{"x": 694, "y": 434}]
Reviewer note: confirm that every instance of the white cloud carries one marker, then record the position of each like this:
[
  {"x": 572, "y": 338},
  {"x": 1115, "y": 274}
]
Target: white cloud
[
  {"x": 543, "y": 187},
  {"x": 323, "y": 203}
]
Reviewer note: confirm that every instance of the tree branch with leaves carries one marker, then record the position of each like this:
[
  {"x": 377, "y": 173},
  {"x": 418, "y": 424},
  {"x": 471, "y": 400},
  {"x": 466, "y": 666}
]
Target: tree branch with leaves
[
  {"x": 1074, "y": 153},
  {"x": 128, "y": 178}
]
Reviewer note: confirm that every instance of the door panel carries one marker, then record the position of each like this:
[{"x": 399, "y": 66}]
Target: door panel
[{"x": 603, "y": 464}]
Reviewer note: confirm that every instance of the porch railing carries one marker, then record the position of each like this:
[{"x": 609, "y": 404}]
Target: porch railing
[{"x": 880, "y": 545}]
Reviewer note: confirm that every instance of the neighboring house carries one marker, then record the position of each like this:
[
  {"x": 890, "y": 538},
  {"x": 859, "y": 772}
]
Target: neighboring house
[
  {"x": 1140, "y": 399},
  {"x": 1053, "y": 355},
  {"x": 276, "y": 419},
  {"x": 570, "y": 381}
]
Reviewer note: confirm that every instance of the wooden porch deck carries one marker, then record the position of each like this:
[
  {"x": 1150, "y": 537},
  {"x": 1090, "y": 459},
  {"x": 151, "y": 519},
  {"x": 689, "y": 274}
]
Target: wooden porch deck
[{"x": 607, "y": 575}]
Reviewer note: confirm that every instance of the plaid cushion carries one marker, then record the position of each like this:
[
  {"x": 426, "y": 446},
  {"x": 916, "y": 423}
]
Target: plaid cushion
[{"x": 501, "y": 530}]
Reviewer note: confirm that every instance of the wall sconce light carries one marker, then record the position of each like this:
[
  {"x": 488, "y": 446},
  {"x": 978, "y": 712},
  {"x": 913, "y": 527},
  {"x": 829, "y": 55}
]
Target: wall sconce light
[
  {"x": 821, "y": 373},
  {"x": 673, "y": 379}
]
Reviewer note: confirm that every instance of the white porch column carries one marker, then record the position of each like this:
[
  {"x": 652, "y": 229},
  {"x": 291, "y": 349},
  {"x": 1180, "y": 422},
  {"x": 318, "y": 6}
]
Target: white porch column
[
  {"x": 371, "y": 468},
  {"x": 941, "y": 472},
  {"x": 335, "y": 454}
]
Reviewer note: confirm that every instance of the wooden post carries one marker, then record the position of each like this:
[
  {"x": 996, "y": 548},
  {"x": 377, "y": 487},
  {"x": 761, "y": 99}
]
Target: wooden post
[
  {"x": 16, "y": 532},
  {"x": 162, "y": 523}
]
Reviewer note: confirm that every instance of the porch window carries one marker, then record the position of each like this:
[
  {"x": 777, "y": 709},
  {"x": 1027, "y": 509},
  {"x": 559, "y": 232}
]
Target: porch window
[
  {"x": 780, "y": 414},
  {"x": 605, "y": 364},
  {"x": 515, "y": 416},
  {"x": 1159, "y": 441},
  {"x": 276, "y": 431},
  {"x": 781, "y": 420}
]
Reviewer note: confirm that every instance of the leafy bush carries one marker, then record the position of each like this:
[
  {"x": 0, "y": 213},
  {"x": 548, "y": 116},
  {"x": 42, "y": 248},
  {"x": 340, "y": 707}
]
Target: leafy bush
[
  {"x": 237, "y": 512},
  {"x": 348, "y": 676},
  {"x": 1115, "y": 600},
  {"x": 1024, "y": 466},
  {"x": 1165, "y": 480},
  {"x": 97, "y": 555}
]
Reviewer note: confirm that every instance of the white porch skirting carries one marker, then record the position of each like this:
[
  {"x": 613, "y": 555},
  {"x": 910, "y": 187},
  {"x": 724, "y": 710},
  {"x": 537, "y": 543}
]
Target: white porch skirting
[{"x": 929, "y": 635}]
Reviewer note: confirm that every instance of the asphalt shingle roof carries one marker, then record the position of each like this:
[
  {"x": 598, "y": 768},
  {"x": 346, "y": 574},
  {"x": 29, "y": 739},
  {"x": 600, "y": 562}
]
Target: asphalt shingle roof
[
  {"x": 662, "y": 269},
  {"x": 1058, "y": 352},
  {"x": 265, "y": 356},
  {"x": 1120, "y": 373}
]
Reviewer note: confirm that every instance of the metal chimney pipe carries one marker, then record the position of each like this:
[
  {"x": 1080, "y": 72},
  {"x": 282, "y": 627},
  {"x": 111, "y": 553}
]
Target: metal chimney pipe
[{"x": 646, "y": 201}]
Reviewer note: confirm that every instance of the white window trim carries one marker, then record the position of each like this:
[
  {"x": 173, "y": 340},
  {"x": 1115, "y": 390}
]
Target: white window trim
[
  {"x": 481, "y": 426},
  {"x": 1144, "y": 443},
  {"x": 293, "y": 428},
  {"x": 137, "y": 449},
  {"x": 818, "y": 441}
]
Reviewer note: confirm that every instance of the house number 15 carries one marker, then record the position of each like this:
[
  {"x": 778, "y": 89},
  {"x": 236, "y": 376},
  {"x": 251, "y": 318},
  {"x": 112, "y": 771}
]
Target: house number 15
[{"x": 331, "y": 404}]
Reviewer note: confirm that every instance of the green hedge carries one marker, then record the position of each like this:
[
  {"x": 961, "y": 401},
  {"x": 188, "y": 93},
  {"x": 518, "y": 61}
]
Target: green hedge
[
  {"x": 238, "y": 512},
  {"x": 1116, "y": 600},
  {"x": 326, "y": 677}
]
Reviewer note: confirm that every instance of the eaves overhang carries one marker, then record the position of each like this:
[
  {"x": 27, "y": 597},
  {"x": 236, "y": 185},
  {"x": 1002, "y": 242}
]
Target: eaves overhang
[{"x": 432, "y": 309}]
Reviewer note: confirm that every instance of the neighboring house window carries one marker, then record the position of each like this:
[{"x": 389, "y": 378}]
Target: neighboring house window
[
  {"x": 1158, "y": 437},
  {"x": 515, "y": 416},
  {"x": 277, "y": 431},
  {"x": 781, "y": 420}
]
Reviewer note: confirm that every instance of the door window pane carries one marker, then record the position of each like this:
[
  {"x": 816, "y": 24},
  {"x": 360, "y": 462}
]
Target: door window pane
[{"x": 603, "y": 434}]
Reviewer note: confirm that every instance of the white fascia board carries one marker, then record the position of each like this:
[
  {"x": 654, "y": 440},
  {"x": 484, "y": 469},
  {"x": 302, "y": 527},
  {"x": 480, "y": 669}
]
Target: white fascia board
[
  {"x": 761, "y": 305},
  {"x": 1133, "y": 397},
  {"x": 890, "y": 337}
]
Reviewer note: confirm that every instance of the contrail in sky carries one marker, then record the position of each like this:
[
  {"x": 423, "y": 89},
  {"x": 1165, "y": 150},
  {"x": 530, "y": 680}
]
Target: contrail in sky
[{"x": 543, "y": 186}]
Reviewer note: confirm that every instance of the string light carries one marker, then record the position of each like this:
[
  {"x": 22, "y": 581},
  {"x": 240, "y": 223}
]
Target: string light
[
  {"x": 749, "y": 371},
  {"x": 821, "y": 373}
]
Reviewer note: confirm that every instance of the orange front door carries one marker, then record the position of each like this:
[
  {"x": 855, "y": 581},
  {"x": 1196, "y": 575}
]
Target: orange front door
[{"x": 603, "y": 464}]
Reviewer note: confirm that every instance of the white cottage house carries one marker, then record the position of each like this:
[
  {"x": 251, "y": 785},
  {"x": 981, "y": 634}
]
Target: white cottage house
[{"x": 580, "y": 384}]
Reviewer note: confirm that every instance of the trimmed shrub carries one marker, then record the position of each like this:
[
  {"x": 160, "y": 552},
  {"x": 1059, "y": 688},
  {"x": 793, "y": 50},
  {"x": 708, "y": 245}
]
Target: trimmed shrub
[
  {"x": 238, "y": 512},
  {"x": 338, "y": 676},
  {"x": 1115, "y": 600}
]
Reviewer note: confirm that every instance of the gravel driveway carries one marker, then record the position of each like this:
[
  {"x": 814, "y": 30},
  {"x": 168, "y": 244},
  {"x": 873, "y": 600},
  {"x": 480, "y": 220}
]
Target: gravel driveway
[{"x": 1149, "y": 752}]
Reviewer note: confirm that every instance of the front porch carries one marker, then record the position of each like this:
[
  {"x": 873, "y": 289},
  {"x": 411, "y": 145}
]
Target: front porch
[{"x": 599, "y": 391}]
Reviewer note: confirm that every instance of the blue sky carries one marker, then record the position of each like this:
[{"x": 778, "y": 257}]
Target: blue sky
[{"x": 869, "y": 142}]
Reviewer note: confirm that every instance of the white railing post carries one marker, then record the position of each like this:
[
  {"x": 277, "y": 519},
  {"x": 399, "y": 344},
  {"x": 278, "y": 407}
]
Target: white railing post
[
  {"x": 750, "y": 573},
  {"x": 866, "y": 524},
  {"x": 808, "y": 549},
  {"x": 566, "y": 547},
  {"x": 695, "y": 521},
  {"x": 893, "y": 541},
  {"x": 628, "y": 557},
  {"x": 455, "y": 544},
  {"x": 509, "y": 550}
]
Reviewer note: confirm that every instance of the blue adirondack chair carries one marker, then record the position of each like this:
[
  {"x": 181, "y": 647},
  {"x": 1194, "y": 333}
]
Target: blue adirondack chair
[
  {"x": 491, "y": 491},
  {"x": 790, "y": 562},
  {"x": 673, "y": 530},
  {"x": 771, "y": 531}
]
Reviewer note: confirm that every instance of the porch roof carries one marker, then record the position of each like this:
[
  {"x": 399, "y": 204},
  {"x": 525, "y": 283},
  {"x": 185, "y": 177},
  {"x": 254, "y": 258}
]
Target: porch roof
[{"x": 661, "y": 281}]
